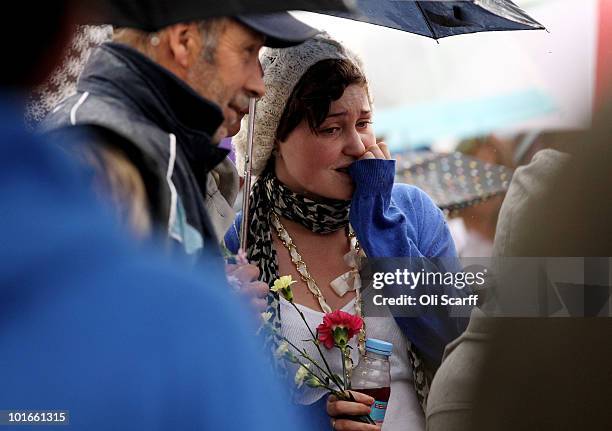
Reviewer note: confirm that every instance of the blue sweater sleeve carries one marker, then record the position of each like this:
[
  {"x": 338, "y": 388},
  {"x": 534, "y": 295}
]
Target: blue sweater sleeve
[
  {"x": 402, "y": 221},
  {"x": 395, "y": 220}
]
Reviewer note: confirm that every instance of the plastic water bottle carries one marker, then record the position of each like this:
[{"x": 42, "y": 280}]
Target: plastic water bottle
[{"x": 373, "y": 376}]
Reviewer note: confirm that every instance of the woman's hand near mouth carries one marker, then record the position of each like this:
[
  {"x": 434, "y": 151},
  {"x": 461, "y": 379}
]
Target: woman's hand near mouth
[{"x": 378, "y": 150}]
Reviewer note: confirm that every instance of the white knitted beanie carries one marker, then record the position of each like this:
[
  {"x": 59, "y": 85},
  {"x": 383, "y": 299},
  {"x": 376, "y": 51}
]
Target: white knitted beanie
[{"x": 283, "y": 68}]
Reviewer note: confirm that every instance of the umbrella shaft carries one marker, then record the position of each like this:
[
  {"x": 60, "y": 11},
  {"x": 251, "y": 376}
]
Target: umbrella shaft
[{"x": 246, "y": 197}]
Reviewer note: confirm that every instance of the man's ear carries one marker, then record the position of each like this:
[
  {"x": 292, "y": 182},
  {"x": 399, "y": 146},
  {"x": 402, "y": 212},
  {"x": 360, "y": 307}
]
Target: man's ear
[{"x": 185, "y": 44}]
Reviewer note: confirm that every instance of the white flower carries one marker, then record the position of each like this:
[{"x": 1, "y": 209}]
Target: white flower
[
  {"x": 282, "y": 283},
  {"x": 314, "y": 382},
  {"x": 282, "y": 286},
  {"x": 282, "y": 350},
  {"x": 301, "y": 374},
  {"x": 265, "y": 322}
]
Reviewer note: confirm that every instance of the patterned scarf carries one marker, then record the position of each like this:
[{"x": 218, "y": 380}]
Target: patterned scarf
[{"x": 269, "y": 194}]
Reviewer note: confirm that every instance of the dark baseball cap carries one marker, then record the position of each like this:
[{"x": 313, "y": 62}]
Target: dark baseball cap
[
  {"x": 281, "y": 29},
  {"x": 153, "y": 15}
]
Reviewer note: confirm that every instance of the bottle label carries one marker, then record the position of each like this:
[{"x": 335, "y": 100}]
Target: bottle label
[{"x": 379, "y": 408}]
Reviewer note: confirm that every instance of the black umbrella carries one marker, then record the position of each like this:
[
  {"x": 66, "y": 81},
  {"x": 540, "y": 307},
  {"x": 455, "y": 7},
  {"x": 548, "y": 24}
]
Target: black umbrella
[
  {"x": 452, "y": 180},
  {"x": 442, "y": 18}
]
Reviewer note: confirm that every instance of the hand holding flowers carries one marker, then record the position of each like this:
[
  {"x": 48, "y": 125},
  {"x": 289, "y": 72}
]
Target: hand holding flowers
[{"x": 336, "y": 330}]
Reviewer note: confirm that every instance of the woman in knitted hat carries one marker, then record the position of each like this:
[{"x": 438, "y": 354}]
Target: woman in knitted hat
[{"x": 316, "y": 157}]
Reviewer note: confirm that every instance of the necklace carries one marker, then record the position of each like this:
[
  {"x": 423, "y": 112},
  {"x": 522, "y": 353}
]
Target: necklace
[{"x": 302, "y": 269}]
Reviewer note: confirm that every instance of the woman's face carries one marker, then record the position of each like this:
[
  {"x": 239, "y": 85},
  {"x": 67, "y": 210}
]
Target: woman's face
[{"x": 316, "y": 164}]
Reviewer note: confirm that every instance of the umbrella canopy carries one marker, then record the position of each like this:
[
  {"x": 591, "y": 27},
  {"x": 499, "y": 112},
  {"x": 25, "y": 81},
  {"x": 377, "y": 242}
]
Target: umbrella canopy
[
  {"x": 453, "y": 180},
  {"x": 442, "y": 18}
]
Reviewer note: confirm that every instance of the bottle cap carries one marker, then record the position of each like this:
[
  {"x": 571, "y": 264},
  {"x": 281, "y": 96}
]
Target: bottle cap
[{"x": 378, "y": 346}]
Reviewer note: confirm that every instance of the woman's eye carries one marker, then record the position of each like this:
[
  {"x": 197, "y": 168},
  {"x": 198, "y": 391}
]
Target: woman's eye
[
  {"x": 330, "y": 130},
  {"x": 364, "y": 124}
]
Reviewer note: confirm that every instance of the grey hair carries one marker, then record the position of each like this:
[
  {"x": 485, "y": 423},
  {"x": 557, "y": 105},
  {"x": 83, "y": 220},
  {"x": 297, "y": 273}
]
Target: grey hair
[{"x": 210, "y": 30}]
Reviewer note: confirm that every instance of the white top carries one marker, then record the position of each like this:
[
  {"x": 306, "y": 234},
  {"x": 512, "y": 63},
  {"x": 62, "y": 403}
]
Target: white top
[{"x": 403, "y": 411}]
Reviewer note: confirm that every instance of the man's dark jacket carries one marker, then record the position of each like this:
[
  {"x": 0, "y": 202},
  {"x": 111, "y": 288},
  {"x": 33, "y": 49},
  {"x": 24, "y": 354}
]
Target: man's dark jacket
[{"x": 126, "y": 101}]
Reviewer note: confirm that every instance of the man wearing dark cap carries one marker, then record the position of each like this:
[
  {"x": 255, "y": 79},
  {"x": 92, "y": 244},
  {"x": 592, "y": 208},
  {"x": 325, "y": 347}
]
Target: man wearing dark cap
[{"x": 155, "y": 104}]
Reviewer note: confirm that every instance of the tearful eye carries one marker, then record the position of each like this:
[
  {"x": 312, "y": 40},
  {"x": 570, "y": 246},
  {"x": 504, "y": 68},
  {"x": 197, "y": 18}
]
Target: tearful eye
[{"x": 329, "y": 130}]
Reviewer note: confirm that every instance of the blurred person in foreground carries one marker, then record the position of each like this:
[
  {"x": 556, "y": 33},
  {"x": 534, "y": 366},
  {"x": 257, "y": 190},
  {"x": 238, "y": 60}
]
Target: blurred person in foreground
[
  {"x": 119, "y": 337},
  {"x": 326, "y": 187},
  {"x": 546, "y": 373}
]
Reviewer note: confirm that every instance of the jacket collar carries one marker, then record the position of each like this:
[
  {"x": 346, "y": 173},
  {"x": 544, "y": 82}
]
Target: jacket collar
[{"x": 121, "y": 72}]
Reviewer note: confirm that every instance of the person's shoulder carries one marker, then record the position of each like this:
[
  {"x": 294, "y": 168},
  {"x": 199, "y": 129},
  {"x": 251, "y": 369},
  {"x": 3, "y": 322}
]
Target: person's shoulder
[
  {"x": 529, "y": 181},
  {"x": 101, "y": 115},
  {"x": 544, "y": 165},
  {"x": 550, "y": 157}
]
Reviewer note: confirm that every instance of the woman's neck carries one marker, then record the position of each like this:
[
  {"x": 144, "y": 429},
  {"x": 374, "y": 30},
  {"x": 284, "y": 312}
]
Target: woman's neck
[
  {"x": 297, "y": 230},
  {"x": 324, "y": 258}
]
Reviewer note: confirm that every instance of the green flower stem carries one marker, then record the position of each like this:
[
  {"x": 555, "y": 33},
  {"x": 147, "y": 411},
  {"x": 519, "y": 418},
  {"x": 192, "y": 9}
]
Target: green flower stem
[
  {"x": 341, "y": 395},
  {"x": 345, "y": 396},
  {"x": 343, "y": 351},
  {"x": 312, "y": 334},
  {"x": 333, "y": 391},
  {"x": 316, "y": 343},
  {"x": 305, "y": 356}
]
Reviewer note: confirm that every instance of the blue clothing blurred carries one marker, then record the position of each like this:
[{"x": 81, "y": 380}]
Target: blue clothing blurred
[{"x": 120, "y": 337}]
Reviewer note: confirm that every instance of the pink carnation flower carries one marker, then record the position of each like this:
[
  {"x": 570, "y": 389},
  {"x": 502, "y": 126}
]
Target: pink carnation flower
[{"x": 338, "y": 328}]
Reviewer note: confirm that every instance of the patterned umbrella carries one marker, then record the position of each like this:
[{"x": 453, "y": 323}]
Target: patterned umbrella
[{"x": 453, "y": 180}]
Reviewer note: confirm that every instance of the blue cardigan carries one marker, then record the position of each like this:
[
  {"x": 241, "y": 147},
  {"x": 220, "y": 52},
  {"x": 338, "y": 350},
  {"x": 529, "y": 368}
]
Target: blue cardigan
[{"x": 398, "y": 220}]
